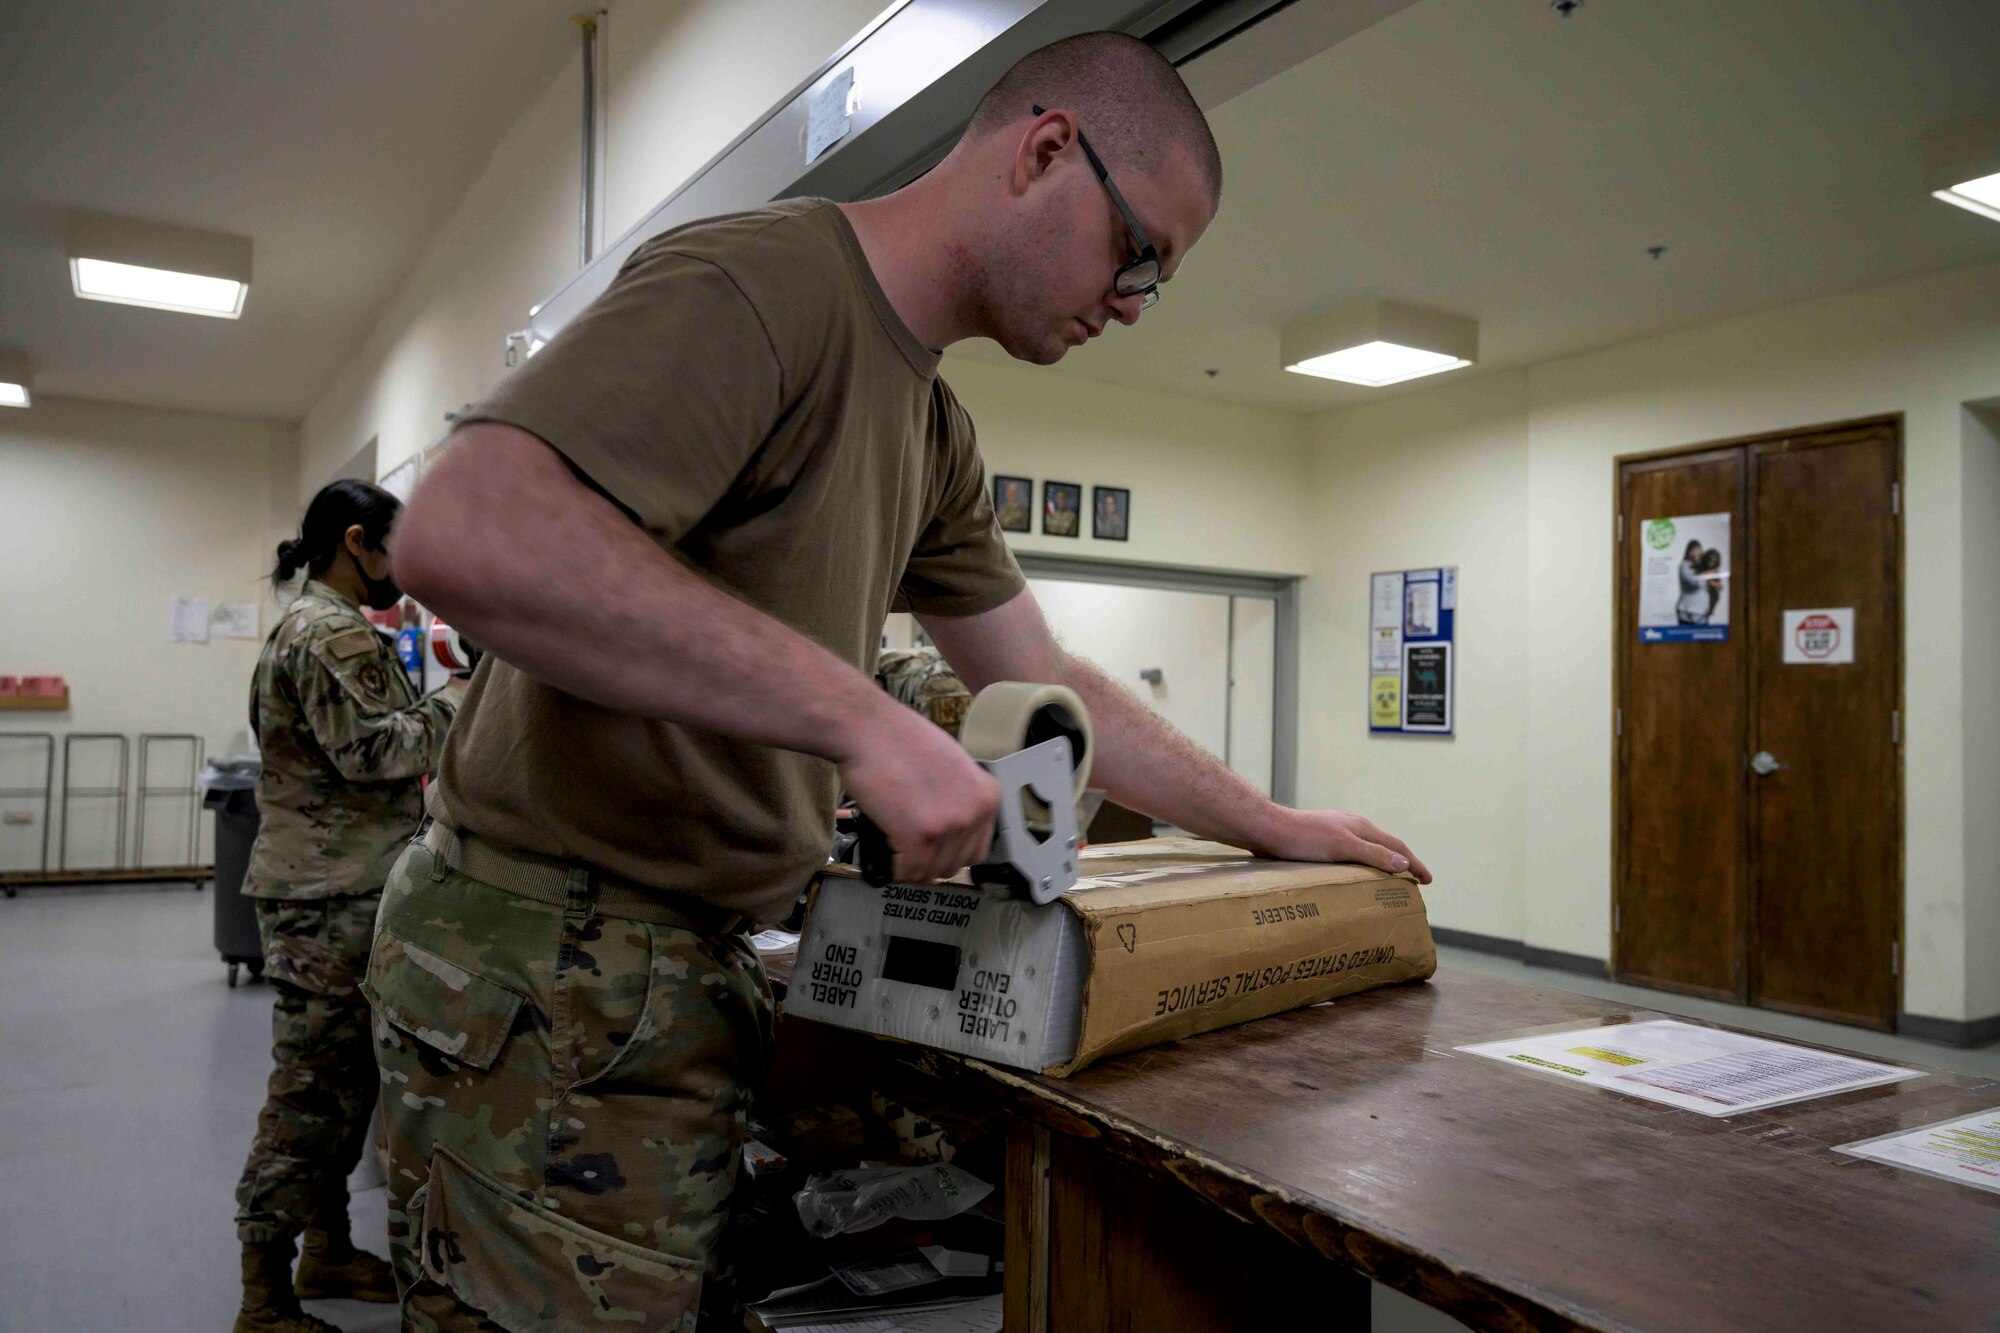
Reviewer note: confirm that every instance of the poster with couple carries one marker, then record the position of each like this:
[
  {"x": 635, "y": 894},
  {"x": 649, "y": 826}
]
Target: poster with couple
[{"x": 1684, "y": 579}]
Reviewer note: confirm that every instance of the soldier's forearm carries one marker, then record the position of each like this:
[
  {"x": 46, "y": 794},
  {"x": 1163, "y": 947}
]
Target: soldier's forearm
[
  {"x": 508, "y": 545},
  {"x": 1143, "y": 762},
  {"x": 385, "y": 747}
]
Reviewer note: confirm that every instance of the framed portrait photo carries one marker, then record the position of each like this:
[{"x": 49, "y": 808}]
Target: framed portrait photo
[
  {"x": 1062, "y": 509},
  {"x": 1014, "y": 503},
  {"x": 1110, "y": 513}
]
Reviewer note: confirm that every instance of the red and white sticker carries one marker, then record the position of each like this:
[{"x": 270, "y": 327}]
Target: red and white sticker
[
  {"x": 448, "y": 649},
  {"x": 1823, "y": 637}
]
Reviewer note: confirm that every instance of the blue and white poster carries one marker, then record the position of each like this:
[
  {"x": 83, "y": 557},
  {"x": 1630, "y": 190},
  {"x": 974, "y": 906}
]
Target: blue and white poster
[
  {"x": 1411, "y": 617},
  {"x": 1684, "y": 579}
]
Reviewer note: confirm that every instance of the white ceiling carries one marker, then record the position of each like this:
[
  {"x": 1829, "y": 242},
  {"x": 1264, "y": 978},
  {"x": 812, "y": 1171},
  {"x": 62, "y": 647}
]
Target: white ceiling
[
  {"x": 336, "y": 134},
  {"x": 1492, "y": 159},
  {"x": 1482, "y": 156}
]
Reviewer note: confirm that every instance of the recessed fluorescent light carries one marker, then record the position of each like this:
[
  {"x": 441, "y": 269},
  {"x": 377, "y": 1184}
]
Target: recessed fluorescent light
[
  {"x": 129, "y": 284},
  {"x": 163, "y": 267},
  {"x": 1373, "y": 343},
  {"x": 16, "y": 381},
  {"x": 1980, "y": 196},
  {"x": 1378, "y": 363},
  {"x": 1962, "y": 164}
]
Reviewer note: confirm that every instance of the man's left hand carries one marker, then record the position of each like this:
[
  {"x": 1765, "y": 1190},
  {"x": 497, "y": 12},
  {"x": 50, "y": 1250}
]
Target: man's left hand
[{"x": 1334, "y": 835}]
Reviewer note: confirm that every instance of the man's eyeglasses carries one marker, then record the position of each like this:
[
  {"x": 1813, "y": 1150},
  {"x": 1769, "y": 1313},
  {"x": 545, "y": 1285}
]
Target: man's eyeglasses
[{"x": 1140, "y": 277}]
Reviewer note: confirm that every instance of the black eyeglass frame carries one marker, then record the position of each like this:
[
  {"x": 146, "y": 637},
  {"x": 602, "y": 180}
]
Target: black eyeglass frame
[{"x": 1146, "y": 286}]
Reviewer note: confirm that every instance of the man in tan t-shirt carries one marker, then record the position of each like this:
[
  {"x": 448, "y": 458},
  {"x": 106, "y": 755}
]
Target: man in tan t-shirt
[{"x": 677, "y": 530}]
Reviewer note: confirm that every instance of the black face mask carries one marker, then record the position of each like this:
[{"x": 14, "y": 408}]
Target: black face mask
[{"x": 383, "y": 593}]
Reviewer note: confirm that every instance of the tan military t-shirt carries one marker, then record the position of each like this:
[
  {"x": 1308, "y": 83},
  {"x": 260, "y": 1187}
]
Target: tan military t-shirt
[{"x": 747, "y": 392}]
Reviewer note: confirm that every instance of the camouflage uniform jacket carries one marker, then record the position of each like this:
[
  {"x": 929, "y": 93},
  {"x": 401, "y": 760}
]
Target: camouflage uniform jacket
[
  {"x": 920, "y": 679},
  {"x": 346, "y": 742}
]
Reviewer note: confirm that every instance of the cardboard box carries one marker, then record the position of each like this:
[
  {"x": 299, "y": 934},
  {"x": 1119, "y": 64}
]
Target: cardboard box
[{"x": 1158, "y": 940}]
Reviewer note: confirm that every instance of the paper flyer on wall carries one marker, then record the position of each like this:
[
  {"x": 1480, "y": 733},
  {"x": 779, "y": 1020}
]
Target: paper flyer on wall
[
  {"x": 1965, "y": 1150},
  {"x": 187, "y": 620},
  {"x": 1708, "y": 1070},
  {"x": 1684, "y": 579}
]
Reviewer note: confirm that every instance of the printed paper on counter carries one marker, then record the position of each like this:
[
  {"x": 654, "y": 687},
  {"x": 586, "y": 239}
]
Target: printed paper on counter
[
  {"x": 1707, "y": 1070},
  {"x": 1965, "y": 1150}
]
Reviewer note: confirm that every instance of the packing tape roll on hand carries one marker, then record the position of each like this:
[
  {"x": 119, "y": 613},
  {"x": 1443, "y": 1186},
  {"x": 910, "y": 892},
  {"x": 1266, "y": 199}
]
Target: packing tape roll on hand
[{"x": 1012, "y": 715}]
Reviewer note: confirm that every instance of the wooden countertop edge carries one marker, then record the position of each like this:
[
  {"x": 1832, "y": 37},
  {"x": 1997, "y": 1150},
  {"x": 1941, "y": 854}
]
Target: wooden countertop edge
[{"x": 1310, "y": 1223}]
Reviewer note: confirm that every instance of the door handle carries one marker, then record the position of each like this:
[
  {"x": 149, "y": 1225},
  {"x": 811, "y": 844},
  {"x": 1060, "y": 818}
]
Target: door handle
[{"x": 1763, "y": 763}]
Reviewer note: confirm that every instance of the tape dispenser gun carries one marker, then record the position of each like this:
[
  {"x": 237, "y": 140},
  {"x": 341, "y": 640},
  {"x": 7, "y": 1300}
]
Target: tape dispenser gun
[{"x": 1036, "y": 742}]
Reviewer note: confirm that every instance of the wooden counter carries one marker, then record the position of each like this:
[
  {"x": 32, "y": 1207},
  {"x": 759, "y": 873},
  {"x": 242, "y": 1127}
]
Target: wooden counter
[{"x": 1265, "y": 1161}]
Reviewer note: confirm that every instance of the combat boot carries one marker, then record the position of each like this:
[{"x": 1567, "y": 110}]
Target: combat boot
[
  {"x": 269, "y": 1306},
  {"x": 332, "y": 1269}
]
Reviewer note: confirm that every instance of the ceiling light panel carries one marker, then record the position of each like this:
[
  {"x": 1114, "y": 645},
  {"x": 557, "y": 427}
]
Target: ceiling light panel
[
  {"x": 1378, "y": 363},
  {"x": 131, "y": 262},
  {"x": 1980, "y": 196},
  {"x": 16, "y": 380},
  {"x": 1962, "y": 165},
  {"x": 1373, "y": 343}
]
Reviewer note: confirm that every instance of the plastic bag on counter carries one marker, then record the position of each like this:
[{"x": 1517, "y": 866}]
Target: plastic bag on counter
[{"x": 857, "y": 1200}]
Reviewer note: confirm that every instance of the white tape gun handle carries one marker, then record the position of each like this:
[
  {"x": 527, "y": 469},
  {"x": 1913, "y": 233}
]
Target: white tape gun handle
[{"x": 1035, "y": 740}]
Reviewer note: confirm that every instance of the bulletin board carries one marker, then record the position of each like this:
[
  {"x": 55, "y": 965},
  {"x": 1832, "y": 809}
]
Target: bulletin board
[{"x": 1411, "y": 654}]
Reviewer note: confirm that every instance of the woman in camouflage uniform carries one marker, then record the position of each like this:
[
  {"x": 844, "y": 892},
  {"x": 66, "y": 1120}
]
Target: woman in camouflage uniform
[{"x": 346, "y": 741}]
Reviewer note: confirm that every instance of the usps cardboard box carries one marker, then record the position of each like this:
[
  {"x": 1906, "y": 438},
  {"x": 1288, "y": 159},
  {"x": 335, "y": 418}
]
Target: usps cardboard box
[{"x": 1158, "y": 940}]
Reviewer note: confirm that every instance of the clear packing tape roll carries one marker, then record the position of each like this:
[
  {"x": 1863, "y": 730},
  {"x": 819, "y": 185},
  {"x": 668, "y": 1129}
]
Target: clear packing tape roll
[{"x": 1013, "y": 715}]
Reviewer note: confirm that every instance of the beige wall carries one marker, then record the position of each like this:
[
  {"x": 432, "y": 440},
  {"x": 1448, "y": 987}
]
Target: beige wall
[
  {"x": 1213, "y": 485},
  {"x": 106, "y": 514},
  {"x": 1439, "y": 478},
  {"x": 1981, "y": 648},
  {"x": 681, "y": 80},
  {"x": 1532, "y": 465}
]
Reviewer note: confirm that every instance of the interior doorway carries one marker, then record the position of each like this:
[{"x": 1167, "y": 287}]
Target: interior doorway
[
  {"x": 1215, "y": 654},
  {"x": 1758, "y": 752}
]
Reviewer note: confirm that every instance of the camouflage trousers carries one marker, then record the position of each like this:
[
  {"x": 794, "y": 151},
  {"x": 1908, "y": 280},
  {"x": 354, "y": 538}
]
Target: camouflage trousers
[
  {"x": 564, "y": 1097},
  {"x": 314, "y": 1124}
]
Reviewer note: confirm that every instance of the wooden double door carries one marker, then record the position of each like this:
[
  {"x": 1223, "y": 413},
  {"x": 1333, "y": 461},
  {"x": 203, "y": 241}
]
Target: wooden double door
[{"x": 1758, "y": 788}]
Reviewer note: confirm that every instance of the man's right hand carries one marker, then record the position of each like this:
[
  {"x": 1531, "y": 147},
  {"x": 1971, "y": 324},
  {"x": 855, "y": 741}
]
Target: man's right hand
[{"x": 917, "y": 783}]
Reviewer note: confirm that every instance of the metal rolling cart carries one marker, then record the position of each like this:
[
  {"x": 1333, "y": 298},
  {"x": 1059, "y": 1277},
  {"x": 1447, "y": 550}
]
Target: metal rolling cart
[
  {"x": 150, "y": 792},
  {"x": 121, "y": 793},
  {"x": 43, "y": 793}
]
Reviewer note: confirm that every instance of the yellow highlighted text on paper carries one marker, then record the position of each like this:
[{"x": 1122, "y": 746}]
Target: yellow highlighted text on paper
[{"x": 1609, "y": 1057}]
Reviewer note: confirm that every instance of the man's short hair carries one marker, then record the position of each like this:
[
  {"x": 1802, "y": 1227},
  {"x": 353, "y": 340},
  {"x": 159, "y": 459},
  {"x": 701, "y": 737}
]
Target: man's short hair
[{"x": 1128, "y": 98}]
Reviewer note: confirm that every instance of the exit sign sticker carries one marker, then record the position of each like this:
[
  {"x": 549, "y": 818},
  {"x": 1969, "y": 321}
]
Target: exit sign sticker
[{"x": 1824, "y": 637}]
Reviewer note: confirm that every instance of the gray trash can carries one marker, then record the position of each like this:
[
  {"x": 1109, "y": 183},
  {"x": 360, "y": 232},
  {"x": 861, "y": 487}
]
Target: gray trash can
[{"x": 231, "y": 792}]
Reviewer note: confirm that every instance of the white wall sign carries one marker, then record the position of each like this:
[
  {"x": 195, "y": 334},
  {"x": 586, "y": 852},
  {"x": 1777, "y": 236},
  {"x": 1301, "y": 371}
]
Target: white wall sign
[
  {"x": 1819, "y": 638},
  {"x": 233, "y": 620},
  {"x": 829, "y": 114},
  {"x": 187, "y": 622}
]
